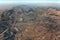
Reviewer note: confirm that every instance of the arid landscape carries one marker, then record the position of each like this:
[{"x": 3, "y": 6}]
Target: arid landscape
[{"x": 30, "y": 22}]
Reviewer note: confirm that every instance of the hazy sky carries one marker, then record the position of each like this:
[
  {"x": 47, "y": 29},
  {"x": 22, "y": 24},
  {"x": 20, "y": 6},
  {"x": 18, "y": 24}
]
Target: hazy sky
[
  {"x": 3, "y": 2},
  {"x": 29, "y": 1},
  {"x": 14, "y": 2}
]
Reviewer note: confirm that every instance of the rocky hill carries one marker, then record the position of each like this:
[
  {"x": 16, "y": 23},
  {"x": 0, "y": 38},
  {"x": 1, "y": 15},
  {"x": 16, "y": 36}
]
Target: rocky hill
[{"x": 31, "y": 23}]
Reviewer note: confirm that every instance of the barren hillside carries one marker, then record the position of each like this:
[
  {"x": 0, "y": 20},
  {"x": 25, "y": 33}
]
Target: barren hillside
[{"x": 30, "y": 23}]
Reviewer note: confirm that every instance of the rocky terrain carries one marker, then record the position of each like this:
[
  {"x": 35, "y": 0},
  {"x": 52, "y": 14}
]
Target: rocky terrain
[{"x": 31, "y": 22}]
